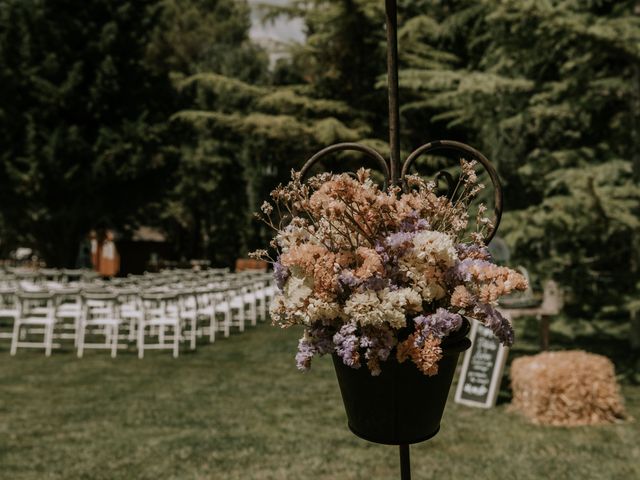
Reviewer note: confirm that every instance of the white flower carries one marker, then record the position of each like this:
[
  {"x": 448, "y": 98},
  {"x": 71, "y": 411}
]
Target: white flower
[
  {"x": 297, "y": 289},
  {"x": 291, "y": 306},
  {"x": 278, "y": 309},
  {"x": 430, "y": 290},
  {"x": 319, "y": 309},
  {"x": 392, "y": 305},
  {"x": 386, "y": 306},
  {"x": 397, "y": 303},
  {"x": 266, "y": 208},
  {"x": 434, "y": 247},
  {"x": 432, "y": 254},
  {"x": 408, "y": 299},
  {"x": 364, "y": 308}
]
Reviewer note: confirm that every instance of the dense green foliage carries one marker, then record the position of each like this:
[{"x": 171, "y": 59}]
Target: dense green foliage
[
  {"x": 164, "y": 113},
  {"x": 81, "y": 118},
  {"x": 85, "y": 133},
  {"x": 204, "y": 211},
  {"x": 549, "y": 91}
]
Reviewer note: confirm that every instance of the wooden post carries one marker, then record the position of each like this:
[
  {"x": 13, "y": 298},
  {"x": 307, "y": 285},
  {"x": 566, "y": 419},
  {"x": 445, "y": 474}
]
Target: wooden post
[{"x": 544, "y": 332}]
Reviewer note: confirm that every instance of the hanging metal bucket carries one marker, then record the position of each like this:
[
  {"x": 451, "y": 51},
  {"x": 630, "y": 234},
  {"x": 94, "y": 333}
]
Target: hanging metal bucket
[{"x": 401, "y": 405}]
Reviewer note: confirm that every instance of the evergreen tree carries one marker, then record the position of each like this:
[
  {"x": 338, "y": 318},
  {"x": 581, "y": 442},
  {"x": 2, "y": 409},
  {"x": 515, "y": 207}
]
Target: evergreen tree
[
  {"x": 268, "y": 131},
  {"x": 82, "y": 120},
  {"x": 205, "y": 211},
  {"x": 549, "y": 91},
  {"x": 343, "y": 55}
]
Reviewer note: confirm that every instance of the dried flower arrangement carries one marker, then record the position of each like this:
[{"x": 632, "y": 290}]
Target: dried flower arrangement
[{"x": 372, "y": 272}]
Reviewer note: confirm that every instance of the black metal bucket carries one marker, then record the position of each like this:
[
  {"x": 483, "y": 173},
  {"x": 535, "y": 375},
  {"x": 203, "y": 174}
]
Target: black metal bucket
[{"x": 401, "y": 405}]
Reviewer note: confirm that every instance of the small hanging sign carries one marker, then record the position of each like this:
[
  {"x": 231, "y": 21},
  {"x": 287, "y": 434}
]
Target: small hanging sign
[{"x": 482, "y": 369}]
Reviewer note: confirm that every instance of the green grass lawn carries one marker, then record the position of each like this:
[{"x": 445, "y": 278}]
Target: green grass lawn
[{"x": 239, "y": 409}]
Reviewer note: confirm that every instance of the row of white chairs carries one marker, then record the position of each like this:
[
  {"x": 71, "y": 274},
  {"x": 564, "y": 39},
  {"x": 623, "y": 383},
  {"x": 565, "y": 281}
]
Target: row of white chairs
[
  {"x": 159, "y": 318},
  {"x": 44, "y": 276}
]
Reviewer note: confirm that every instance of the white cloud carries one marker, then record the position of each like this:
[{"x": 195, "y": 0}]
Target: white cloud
[{"x": 282, "y": 30}]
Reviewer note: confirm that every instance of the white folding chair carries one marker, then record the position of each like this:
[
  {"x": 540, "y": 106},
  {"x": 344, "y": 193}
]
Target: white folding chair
[
  {"x": 9, "y": 311},
  {"x": 37, "y": 315},
  {"x": 250, "y": 300},
  {"x": 206, "y": 308},
  {"x": 159, "y": 313},
  {"x": 100, "y": 315},
  {"x": 131, "y": 311},
  {"x": 221, "y": 304},
  {"x": 264, "y": 293},
  {"x": 69, "y": 275},
  {"x": 234, "y": 298},
  {"x": 68, "y": 305},
  {"x": 187, "y": 306}
]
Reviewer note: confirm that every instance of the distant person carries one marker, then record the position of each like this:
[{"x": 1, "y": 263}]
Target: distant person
[
  {"x": 84, "y": 258},
  {"x": 109, "y": 259},
  {"x": 95, "y": 249}
]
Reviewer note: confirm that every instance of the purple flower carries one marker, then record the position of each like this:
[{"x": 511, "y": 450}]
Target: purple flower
[
  {"x": 390, "y": 248},
  {"x": 413, "y": 223},
  {"x": 440, "y": 324},
  {"x": 399, "y": 240},
  {"x": 375, "y": 283},
  {"x": 317, "y": 340},
  {"x": 347, "y": 345},
  {"x": 322, "y": 338},
  {"x": 280, "y": 274},
  {"x": 466, "y": 250},
  {"x": 499, "y": 325},
  {"x": 347, "y": 280},
  {"x": 378, "y": 344},
  {"x": 306, "y": 351},
  {"x": 381, "y": 249}
]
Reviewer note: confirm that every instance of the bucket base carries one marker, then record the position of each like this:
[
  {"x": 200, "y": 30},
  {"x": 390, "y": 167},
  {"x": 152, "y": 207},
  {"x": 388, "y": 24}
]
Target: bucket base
[
  {"x": 382, "y": 441},
  {"x": 401, "y": 405}
]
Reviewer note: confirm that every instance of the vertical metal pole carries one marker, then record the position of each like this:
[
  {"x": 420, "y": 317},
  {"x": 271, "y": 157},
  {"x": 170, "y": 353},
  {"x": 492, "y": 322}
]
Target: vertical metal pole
[
  {"x": 405, "y": 463},
  {"x": 394, "y": 146},
  {"x": 392, "y": 78}
]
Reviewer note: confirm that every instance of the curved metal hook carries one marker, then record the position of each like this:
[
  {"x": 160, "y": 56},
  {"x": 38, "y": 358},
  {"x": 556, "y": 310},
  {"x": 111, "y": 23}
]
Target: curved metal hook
[
  {"x": 346, "y": 146},
  {"x": 449, "y": 179},
  {"x": 476, "y": 155},
  {"x": 408, "y": 163}
]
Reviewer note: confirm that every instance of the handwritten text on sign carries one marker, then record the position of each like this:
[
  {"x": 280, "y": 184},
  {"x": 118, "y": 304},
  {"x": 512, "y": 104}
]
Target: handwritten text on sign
[{"x": 481, "y": 369}]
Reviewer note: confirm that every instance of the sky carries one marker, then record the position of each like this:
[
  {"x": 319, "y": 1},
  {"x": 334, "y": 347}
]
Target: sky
[{"x": 283, "y": 30}]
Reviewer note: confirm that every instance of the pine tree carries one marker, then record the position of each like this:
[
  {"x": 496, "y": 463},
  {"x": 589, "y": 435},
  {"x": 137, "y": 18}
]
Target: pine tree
[
  {"x": 268, "y": 130},
  {"x": 81, "y": 120},
  {"x": 549, "y": 91},
  {"x": 85, "y": 122},
  {"x": 205, "y": 209}
]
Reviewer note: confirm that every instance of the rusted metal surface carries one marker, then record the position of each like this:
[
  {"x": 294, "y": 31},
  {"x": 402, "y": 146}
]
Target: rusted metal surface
[
  {"x": 392, "y": 79},
  {"x": 338, "y": 147}
]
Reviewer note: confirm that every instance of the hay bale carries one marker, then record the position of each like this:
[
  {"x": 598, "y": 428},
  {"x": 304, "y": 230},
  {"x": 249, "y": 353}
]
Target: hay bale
[{"x": 566, "y": 388}]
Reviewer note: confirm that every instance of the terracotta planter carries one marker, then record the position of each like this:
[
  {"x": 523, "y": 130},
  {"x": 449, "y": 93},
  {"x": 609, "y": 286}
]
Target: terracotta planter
[{"x": 401, "y": 405}]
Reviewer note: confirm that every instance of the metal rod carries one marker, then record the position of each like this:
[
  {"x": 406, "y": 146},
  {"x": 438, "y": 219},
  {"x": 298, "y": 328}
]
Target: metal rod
[
  {"x": 392, "y": 79},
  {"x": 405, "y": 462}
]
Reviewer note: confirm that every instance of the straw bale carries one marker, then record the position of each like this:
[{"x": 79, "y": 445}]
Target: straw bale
[{"x": 566, "y": 388}]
